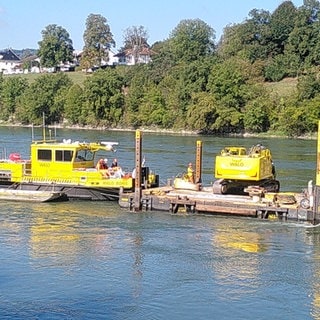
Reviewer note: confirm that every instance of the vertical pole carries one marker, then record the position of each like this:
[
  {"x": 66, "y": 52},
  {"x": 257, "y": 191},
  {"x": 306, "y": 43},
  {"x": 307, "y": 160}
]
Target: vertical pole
[
  {"x": 43, "y": 127},
  {"x": 315, "y": 211},
  {"x": 137, "y": 189},
  {"x": 198, "y": 162},
  {"x": 317, "y": 186},
  {"x": 318, "y": 157}
]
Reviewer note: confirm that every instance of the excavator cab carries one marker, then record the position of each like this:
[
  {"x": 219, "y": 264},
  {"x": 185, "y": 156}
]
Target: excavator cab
[{"x": 237, "y": 168}]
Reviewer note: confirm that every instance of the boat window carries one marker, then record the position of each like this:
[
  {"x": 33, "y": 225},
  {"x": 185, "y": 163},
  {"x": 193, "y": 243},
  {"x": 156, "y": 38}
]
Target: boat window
[
  {"x": 64, "y": 155},
  {"x": 84, "y": 155},
  {"x": 44, "y": 154}
]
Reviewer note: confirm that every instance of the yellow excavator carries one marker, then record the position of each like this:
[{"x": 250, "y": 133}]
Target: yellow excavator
[{"x": 239, "y": 168}]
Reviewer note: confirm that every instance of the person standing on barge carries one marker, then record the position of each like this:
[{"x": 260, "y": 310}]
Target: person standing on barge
[{"x": 190, "y": 173}]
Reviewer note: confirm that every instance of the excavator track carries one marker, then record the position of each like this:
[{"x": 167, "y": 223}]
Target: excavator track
[{"x": 238, "y": 187}]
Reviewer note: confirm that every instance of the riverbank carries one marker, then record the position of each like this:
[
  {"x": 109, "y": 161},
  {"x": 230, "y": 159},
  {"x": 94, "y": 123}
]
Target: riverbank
[{"x": 309, "y": 136}]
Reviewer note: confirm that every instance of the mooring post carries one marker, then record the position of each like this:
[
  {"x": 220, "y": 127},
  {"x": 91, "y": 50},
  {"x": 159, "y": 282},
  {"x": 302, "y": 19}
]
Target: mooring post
[
  {"x": 137, "y": 189},
  {"x": 198, "y": 162}
]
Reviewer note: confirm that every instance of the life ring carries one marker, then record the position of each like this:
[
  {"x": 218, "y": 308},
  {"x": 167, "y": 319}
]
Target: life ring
[{"x": 305, "y": 203}]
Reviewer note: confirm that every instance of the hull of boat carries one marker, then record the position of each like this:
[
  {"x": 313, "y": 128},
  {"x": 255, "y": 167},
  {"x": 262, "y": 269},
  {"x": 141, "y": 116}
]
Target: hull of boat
[
  {"x": 72, "y": 192},
  {"x": 30, "y": 195}
]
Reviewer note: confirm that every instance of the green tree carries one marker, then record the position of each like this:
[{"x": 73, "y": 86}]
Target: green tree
[
  {"x": 12, "y": 90},
  {"x": 312, "y": 111},
  {"x": 191, "y": 40},
  {"x": 98, "y": 40},
  {"x": 104, "y": 98},
  {"x": 256, "y": 115},
  {"x": 170, "y": 88},
  {"x": 202, "y": 112},
  {"x": 305, "y": 36},
  {"x": 297, "y": 115},
  {"x": 249, "y": 40},
  {"x": 308, "y": 86},
  {"x": 162, "y": 62},
  {"x": 230, "y": 82},
  {"x": 282, "y": 22},
  {"x": 137, "y": 83},
  {"x": 1, "y": 90},
  {"x": 44, "y": 96},
  {"x": 74, "y": 102},
  {"x": 152, "y": 110},
  {"x": 55, "y": 47},
  {"x": 232, "y": 42}
]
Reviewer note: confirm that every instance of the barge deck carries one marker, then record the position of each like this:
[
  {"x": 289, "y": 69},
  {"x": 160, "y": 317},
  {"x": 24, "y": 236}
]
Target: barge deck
[{"x": 282, "y": 206}]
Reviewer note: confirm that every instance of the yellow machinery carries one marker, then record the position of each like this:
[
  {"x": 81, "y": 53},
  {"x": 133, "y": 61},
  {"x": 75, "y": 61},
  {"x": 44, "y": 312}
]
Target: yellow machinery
[{"x": 237, "y": 168}]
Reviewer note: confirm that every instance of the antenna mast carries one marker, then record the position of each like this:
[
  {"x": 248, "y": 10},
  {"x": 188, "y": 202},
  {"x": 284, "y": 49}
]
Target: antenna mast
[{"x": 43, "y": 127}]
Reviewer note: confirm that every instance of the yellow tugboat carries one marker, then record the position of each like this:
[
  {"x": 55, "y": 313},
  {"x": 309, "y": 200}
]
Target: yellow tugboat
[
  {"x": 69, "y": 167},
  {"x": 238, "y": 169}
]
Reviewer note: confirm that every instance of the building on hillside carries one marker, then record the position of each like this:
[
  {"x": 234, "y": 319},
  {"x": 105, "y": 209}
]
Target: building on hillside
[
  {"x": 128, "y": 57},
  {"x": 134, "y": 56},
  {"x": 31, "y": 64},
  {"x": 112, "y": 60},
  {"x": 10, "y": 63}
]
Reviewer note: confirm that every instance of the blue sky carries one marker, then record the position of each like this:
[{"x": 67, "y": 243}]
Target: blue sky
[{"x": 21, "y": 22}]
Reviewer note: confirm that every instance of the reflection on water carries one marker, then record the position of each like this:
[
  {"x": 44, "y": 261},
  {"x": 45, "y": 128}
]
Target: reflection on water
[
  {"x": 92, "y": 260},
  {"x": 56, "y": 239},
  {"x": 313, "y": 239},
  {"x": 239, "y": 240},
  {"x": 238, "y": 269}
]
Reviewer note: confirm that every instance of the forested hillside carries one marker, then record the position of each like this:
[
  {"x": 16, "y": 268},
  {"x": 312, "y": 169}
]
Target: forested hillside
[{"x": 194, "y": 83}]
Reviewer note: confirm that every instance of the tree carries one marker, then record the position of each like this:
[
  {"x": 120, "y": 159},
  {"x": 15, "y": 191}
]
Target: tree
[
  {"x": 1, "y": 91},
  {"x": 44, "y": 95},
  {"x": 162, "y": 62},
  {"x": 192, "y": 39},
  {"x": 256, "y": 118},
  {"x": 12, "y": 90},
  {"x": 104, "y": 99},
  {"x": 281, "y": 24},
  {"x": 305, "y": 36},
  {"x": 74, "y": 105},
  {"x": 308, "y": 86},
  {"x": 98, "y": 40},
  {"x": 137, "y": 83},
  {"x": 249, "y": 40},
  {"x": 152, "y": 108},
  {"x": 230, "y": 82},
  {"x": 135, "y": 39},
  {"x": 231, "y": 43},
  {"x": 55, "y": 47},
  {"x": 202, "y": 113}
]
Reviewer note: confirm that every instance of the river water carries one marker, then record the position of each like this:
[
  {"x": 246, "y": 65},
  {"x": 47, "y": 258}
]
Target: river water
[{"x": 93, "y": 260}]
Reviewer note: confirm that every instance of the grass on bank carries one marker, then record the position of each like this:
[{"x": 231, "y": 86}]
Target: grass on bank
[
  {"x": 282, "y": 88},
  {"x": 77, "y": 77}
]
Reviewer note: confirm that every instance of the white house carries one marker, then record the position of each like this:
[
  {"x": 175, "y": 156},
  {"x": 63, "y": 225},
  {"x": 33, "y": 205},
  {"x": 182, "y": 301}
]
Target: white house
[
  {"x": 10, "y": 63},
  {"x": 131, "y": 56}
]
